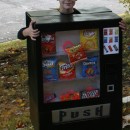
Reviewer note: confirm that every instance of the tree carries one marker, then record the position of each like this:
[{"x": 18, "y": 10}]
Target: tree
[{"x": 126, "y": 4}]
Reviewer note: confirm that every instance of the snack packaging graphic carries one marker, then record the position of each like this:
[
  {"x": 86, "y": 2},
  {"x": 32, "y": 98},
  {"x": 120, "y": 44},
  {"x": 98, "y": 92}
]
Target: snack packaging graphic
[
  {"x": 110, "y": 48},
  {"x": 90, "y": 92},
  {"x": 89, "y": 67},
  {"x": 115, "y": 47},
  {"x": 106, "y": 49},
  {"x": 49, "y": 97},
  {"x": 48, "y": 43},
  {"x": 50, "y": 69},
  {"x": 70, "y": 95},
  {"x": 76, "y": 54},
  {"x": 66, "y": 70},
  {"x": 89, "y": 39}
]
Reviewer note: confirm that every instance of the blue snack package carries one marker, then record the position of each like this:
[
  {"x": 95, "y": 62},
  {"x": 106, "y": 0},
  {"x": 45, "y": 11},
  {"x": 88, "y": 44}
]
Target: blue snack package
[
  {"x": 89, "y": 67},
  {"x": 50, "y": 69}
]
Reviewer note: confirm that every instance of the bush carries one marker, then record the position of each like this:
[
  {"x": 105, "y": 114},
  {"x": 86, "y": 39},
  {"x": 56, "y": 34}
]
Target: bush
[{"x": 126, "y": 4}]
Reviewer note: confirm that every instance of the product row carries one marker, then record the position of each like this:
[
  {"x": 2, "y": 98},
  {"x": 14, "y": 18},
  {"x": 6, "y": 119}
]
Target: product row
[
  {"x": 72, "y": 94},
  {"x": 55, "y": 68},
  {"x": 54, "y": 42}
]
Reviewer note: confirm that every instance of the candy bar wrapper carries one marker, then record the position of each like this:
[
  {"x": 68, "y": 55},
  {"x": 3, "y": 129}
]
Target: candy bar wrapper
[
  {"x": 48, "y": 43},
  {"x": 76, "y": 54},
  {"x": 90, "y": 92},
  {"x": 89, "y": 39}
]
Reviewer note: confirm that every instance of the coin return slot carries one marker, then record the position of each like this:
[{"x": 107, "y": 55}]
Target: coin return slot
[{"x": 110, "y": 88}]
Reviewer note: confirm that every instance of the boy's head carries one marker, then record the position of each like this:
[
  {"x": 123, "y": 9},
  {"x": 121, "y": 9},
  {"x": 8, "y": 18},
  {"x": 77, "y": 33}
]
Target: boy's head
[{"x": 66, "y": 6}]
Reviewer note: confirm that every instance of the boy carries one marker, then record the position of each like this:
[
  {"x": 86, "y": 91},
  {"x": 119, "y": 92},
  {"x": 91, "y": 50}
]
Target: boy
[{"x": 66, "y": 8}]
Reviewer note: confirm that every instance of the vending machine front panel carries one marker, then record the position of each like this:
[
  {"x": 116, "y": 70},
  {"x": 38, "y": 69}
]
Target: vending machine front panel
[{"x": 75, "y": 71}]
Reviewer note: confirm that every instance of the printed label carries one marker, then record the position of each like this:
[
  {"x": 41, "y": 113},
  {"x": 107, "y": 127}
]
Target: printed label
[
  {"x": 111, "y": 40},
  {"x": 81, "y": 113},
  {"x": 90, "y": 94}
]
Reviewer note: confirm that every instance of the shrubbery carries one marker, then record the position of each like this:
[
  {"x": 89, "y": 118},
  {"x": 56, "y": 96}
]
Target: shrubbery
[{"x": 126, "y": 4}]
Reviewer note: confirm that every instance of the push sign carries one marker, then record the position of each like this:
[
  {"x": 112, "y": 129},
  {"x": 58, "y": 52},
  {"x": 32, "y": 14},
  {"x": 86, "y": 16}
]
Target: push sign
[{"x": 80, "y": 113}]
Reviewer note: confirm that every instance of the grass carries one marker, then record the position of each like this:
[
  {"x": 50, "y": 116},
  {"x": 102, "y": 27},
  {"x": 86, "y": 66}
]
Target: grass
[
  {"x": 14, "y": 108},
  {"x": 11, "y": 44},
  {"x": 14, "y": 99}
]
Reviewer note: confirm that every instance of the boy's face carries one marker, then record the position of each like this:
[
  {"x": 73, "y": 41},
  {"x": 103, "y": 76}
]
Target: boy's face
[{"x": 67, "y": 4}]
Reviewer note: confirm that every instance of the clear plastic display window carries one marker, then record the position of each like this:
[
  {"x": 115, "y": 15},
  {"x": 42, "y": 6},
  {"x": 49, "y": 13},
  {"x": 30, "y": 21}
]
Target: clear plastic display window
[{"x": 70, "y": 63}]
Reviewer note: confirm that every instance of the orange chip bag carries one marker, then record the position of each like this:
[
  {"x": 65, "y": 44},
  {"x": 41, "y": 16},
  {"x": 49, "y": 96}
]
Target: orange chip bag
[
  {"x": 76, "y": 53},
  {"x": 66, "y": 70}
]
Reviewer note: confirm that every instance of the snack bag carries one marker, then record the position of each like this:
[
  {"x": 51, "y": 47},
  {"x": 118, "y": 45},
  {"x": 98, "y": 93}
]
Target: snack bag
[
  {"x": 70, "y": 95},
  {"x": 50, "y": 69},
  {"x": 48, "y": 43},
  {"x": 89, "y": 67},
  {"x": 66, "y": 70},
  {"x": 89, "y": 39},
  {"x": 76, "y": 53}
]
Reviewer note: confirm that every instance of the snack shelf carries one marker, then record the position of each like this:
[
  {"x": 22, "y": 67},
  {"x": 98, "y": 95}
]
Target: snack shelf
[
  {"x": 58, "y": 54},
  {"x": 72, "y": 90},
  {"x": 81, "y": 79}
]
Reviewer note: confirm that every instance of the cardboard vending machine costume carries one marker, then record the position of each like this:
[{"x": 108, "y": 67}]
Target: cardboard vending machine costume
[{"x": 75, "y": 70}]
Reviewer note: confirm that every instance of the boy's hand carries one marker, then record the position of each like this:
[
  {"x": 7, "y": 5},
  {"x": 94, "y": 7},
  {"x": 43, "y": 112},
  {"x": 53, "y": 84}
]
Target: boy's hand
[
  {"x": 32, "y": 33},
  {"x": 122, "y": 25}
]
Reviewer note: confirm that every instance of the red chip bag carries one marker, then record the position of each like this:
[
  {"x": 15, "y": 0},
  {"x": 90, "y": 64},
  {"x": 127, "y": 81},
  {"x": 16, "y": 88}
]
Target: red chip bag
[
  {"x": 48, "y": 43},
  {"x": 66, "y": 71},
  {"x": 76, "y": 53}
]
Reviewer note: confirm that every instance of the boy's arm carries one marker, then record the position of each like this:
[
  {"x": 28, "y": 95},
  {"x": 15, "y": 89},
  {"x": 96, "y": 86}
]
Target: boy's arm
[
  {"x": 20, "y": 34},
  {"x": 28, "y": 32}
]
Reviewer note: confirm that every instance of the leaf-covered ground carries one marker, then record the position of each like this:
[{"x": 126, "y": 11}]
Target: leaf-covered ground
[{"x": 14, "y": 102}]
